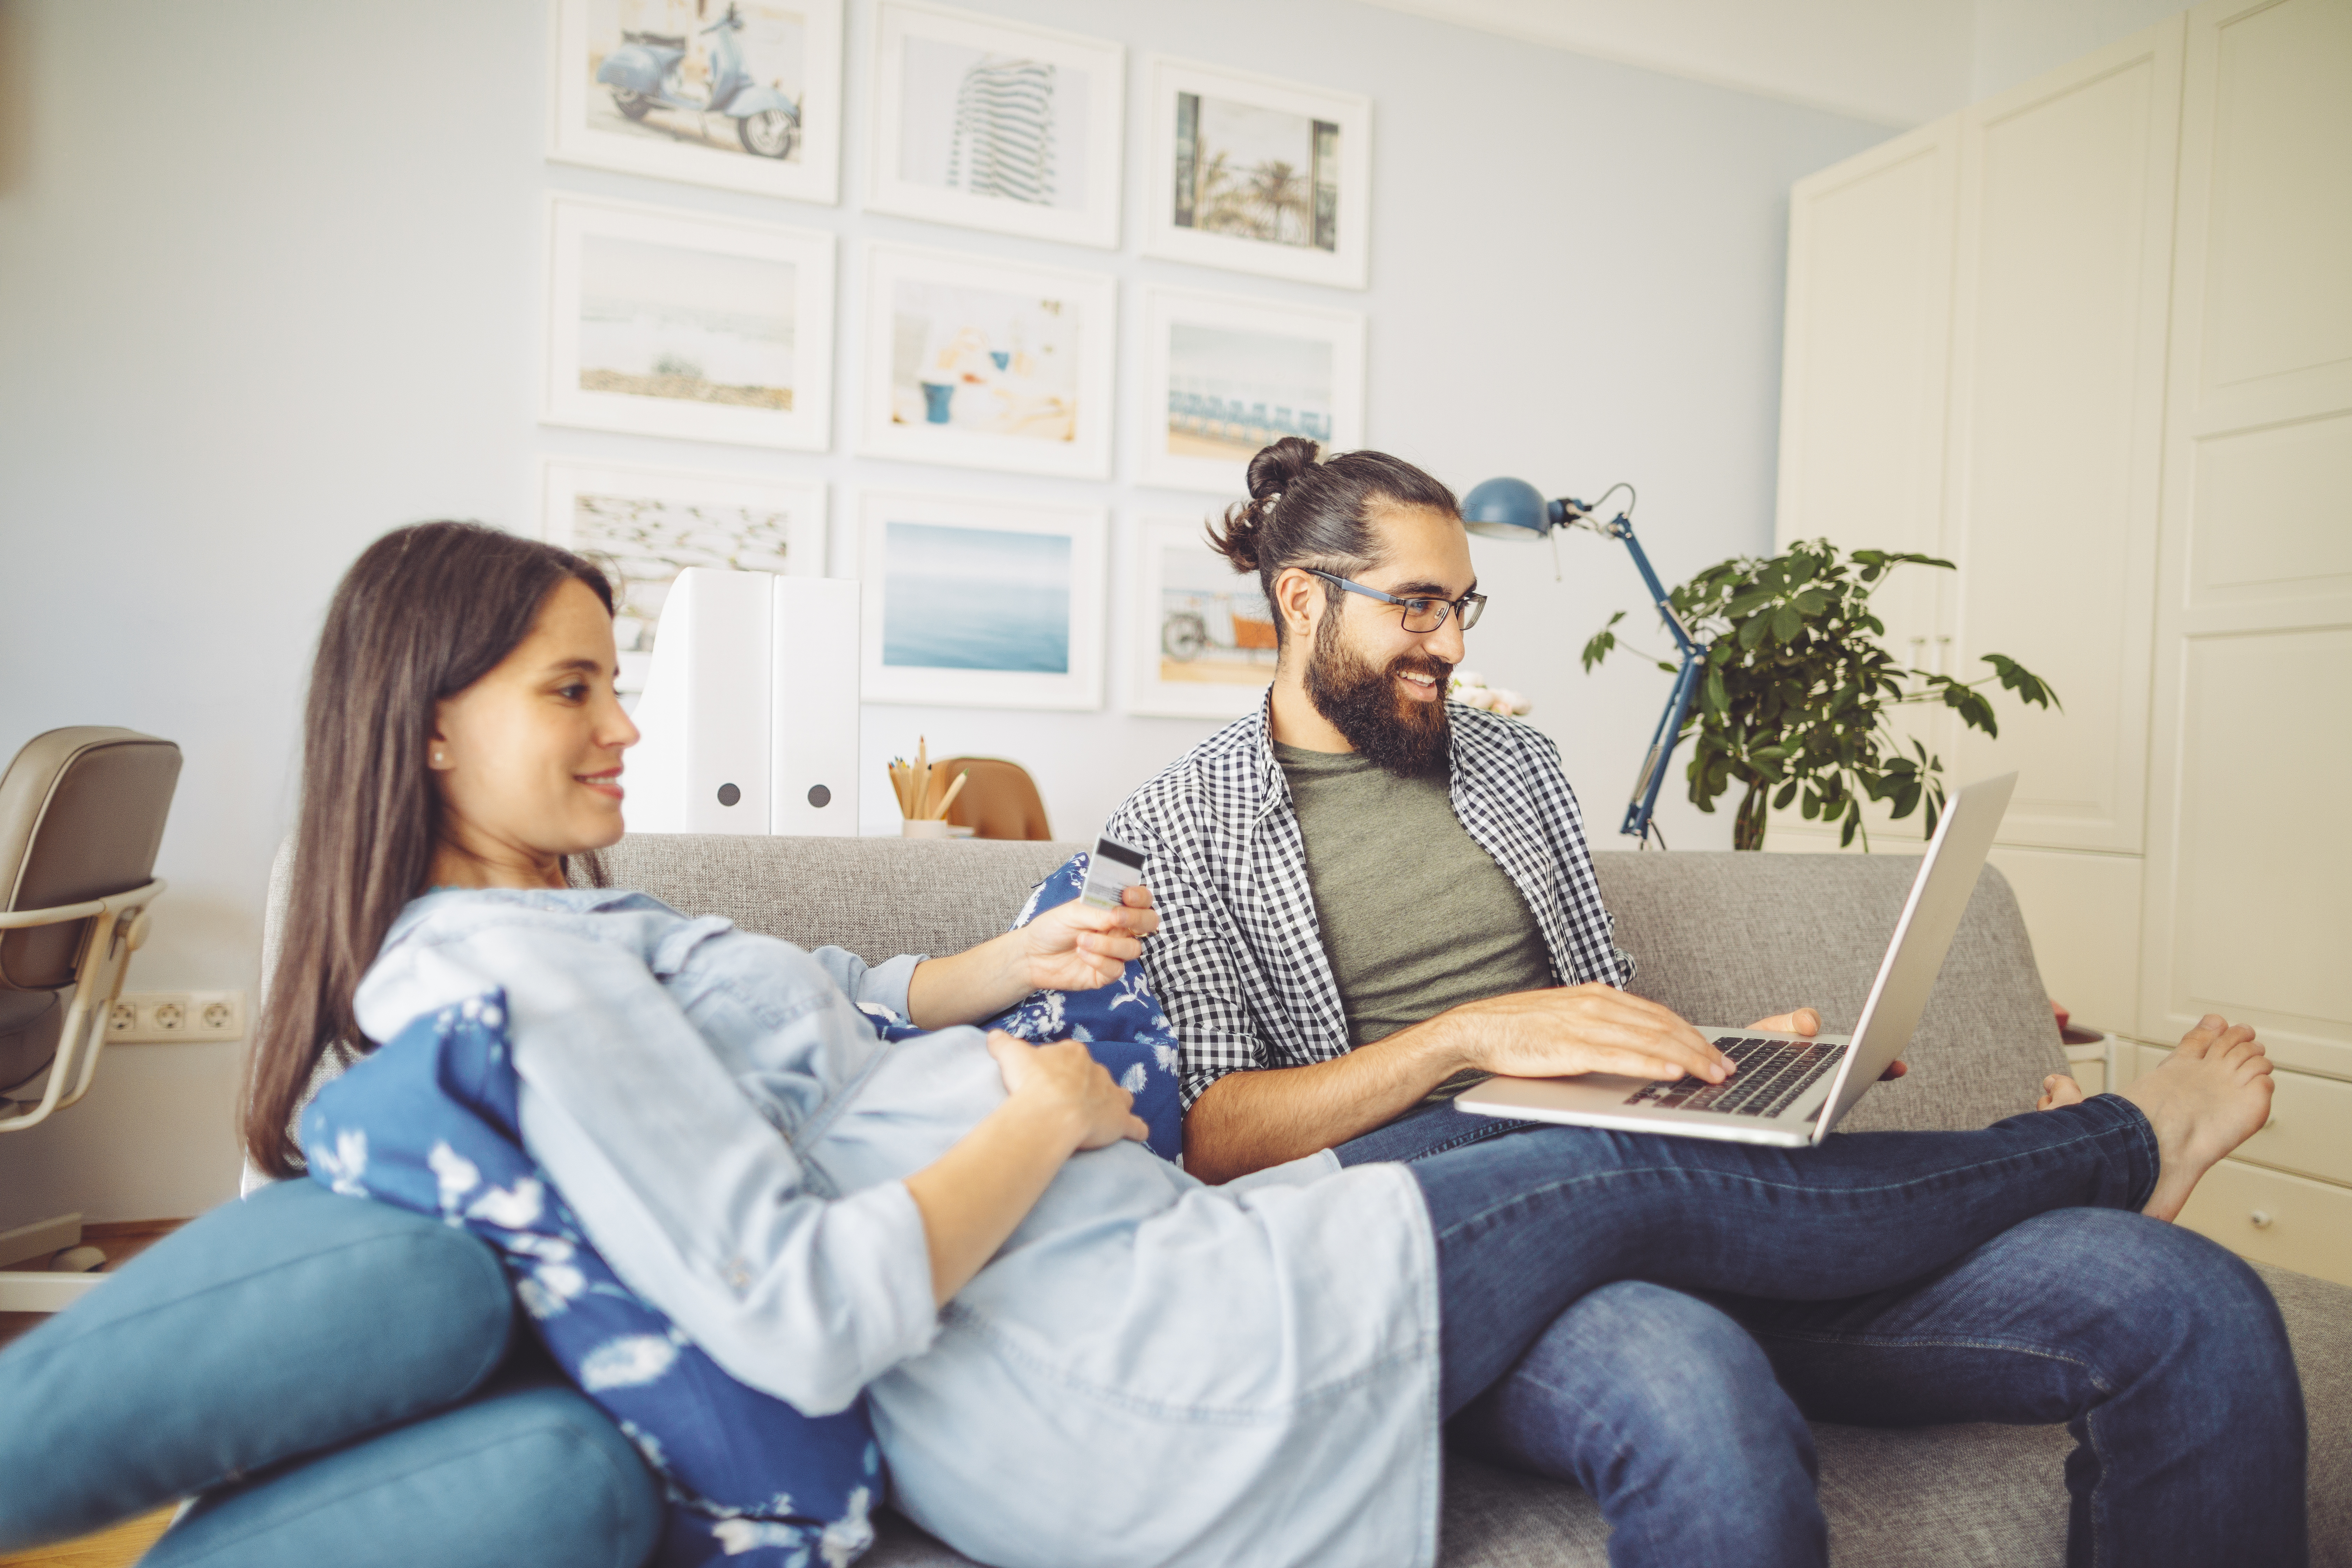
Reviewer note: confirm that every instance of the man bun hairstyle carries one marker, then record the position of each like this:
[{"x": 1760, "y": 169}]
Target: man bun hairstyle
[{"x": 1317, "y": 515}]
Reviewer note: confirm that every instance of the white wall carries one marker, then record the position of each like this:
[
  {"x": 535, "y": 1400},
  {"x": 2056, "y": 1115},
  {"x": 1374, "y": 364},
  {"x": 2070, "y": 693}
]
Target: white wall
[
  {"x": 1899, "y": 62},
  {"x": 270, "y": 283}
]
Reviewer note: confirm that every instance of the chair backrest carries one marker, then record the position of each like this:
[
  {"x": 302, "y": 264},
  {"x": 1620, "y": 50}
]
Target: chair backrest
[
  {"x": 82, "y": 816},
  {"x": 999, "y": 801}
]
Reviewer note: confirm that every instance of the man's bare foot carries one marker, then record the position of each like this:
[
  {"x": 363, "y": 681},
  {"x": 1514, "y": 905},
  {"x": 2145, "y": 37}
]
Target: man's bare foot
[
  {"x": 2212, "y": 1094},
  {"x": 2059, "y": 1088}
]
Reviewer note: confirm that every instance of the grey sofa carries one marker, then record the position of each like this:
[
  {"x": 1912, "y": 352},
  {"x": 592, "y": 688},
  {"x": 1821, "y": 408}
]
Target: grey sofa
[{"x": 1719, "y": 936}]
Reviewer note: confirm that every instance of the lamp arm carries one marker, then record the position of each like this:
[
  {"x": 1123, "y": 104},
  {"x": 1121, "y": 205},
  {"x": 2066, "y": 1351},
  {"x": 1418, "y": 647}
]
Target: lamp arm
[{"x": 1652, "y": 777}]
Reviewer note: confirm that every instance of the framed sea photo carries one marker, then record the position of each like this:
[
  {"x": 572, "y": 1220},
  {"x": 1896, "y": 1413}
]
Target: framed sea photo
[
  {"x": 987, "y": 363},
  {"x": 988, "y": 604},
  {"x": 1200, "y": 635},
  {"x": 995, "y": 124},
  {"x": 1258, "y": 175},
  {"x": 741, "y": 93},
  {"x": 643, "y": 525},
  {"x": 1225, "y": 376},
  {"x": 709, "y": 328}
]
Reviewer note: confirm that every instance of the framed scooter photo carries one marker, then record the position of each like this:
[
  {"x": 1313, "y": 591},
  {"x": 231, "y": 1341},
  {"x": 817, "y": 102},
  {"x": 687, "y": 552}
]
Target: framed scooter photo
[{"x": 744, "y": 94}]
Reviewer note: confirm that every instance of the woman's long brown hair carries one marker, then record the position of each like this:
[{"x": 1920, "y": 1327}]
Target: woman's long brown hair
[{"x": 423, "y": 614}]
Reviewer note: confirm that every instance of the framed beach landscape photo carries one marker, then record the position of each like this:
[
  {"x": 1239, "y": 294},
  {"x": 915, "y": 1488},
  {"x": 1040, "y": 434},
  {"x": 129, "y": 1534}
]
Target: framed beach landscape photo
[
  {"x": 1200, "y": 638},
  {"x": 1257, "y": 174},
  {"x": 993, "y": 123},
  {"x": 643, "y": 525},
  {"x": 987, "y": 363},
  {"x": 1224, "y": 375},
  {"x": 709, "y": 328},
  {"x": 990, "y": 604},
  {"x": 745, "y": 94}
]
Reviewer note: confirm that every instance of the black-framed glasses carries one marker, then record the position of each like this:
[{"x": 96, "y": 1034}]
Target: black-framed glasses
[{"x": 1420, "y": 614}]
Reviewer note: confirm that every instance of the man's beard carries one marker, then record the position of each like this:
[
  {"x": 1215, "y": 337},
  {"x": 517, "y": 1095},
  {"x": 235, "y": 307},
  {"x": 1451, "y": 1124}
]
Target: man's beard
[{"x": 1407, "y": 737}]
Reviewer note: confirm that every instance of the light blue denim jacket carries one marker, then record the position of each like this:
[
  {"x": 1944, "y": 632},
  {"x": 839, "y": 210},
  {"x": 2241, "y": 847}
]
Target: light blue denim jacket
[{"x": 1151, "y": 1371}]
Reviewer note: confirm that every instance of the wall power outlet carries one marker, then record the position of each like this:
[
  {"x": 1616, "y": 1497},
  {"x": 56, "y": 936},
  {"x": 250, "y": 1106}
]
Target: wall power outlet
[{"x": 159, "y": 1017}]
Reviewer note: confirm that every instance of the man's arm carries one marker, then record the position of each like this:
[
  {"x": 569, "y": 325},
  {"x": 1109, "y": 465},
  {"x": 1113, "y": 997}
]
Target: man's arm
[{"x": 1246, "y": 1122}]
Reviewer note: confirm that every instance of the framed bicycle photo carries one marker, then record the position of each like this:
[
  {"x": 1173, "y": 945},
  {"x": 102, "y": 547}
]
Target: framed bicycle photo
[
  {"x": 708, "y": 328},
  {"x": 1200, "y": 638},
  {"x": 745, "y": 94},
  {"x": 1258, "y": 175},
  {"x": 995, "y": 124}
]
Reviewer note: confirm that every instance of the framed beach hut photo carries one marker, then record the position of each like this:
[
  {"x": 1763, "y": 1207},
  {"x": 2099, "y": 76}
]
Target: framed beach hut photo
[
  {"x": 995, "y": 124},
  {"x": 1224, "y": 375},
  {"x": 644, "y": 524},
  {"x": 744, "y": 94},
  {"x": 1199, "y": 638},
  {"x": 1257, "y": 174},
  {"x": 988, "y": 604},
  {"x": 713, "y": 329},
  {"x": 987, "y": 363}
]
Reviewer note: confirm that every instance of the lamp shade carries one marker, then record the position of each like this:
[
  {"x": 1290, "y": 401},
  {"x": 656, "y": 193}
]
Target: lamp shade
[{"x": 1506, "y": 508}]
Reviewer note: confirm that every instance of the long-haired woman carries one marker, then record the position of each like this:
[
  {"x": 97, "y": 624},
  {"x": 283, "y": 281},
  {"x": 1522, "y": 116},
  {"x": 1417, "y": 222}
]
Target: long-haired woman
[{"x": 1075, "y": 1353}]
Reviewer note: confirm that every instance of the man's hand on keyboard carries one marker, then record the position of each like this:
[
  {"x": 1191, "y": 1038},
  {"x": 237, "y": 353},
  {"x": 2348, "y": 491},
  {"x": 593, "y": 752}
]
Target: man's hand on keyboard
[{"x": 1805, "y": 1021}]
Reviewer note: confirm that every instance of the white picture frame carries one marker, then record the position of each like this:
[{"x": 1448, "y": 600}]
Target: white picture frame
[
  {"x": 668, "y": 323},
  {"x": 1290, "y": 151},
  {"x": 1224, "y": 375},
  {"x": 789, "y": 49},
  {"x": 1200, "y": 636},
  {"x": 970, "y": 121},
  {"x": 981, "y": 603},
  {"x": 645, "y": 523},
  {"x": 987, "y": 363}
]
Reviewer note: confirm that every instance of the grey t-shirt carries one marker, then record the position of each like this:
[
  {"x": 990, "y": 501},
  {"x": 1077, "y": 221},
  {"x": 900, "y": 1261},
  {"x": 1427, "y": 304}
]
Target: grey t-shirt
[{"x": 1416, "y": 917}]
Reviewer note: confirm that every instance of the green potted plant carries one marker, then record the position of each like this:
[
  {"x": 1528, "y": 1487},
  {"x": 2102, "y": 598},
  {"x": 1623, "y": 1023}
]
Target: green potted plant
[{"x": 1797, "y": 698}]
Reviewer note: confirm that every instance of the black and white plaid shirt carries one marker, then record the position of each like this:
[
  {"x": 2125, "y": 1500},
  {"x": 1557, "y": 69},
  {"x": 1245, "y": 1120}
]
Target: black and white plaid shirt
[{"x": 1239, "y": 961}]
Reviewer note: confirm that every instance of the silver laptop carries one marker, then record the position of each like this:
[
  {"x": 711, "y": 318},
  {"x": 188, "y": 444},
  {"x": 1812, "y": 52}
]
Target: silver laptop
[{"x": 1786, "y": 1088}]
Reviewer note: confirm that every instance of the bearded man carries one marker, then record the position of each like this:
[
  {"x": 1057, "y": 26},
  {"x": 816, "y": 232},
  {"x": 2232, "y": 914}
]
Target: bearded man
[{"x": 1370, "y": 897}]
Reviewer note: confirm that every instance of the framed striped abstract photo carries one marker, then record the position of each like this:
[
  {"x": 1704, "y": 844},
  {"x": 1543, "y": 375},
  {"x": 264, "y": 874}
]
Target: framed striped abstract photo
[{"x": 995, "y": 124}]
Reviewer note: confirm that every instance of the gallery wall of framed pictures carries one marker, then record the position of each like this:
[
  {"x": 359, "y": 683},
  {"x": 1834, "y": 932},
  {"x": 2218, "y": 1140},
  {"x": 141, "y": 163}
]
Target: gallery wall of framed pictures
[{"x": 671, "y": 319}]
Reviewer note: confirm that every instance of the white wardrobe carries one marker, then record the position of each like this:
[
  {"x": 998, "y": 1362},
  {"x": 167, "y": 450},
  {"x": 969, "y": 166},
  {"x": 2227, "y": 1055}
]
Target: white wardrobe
[{"x": 2091, "y": 340}]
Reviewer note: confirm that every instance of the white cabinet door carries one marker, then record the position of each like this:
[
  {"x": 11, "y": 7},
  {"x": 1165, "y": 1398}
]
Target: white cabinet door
[
  {"x": 1865, "y": 363},
  {"x": 2250, "y": 848},
  {"x": 2062, "y": 288}
]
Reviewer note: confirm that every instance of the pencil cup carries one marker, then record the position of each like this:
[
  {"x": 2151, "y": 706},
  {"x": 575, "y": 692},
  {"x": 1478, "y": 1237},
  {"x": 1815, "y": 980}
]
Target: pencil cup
[{"x": 923, "y": 828}]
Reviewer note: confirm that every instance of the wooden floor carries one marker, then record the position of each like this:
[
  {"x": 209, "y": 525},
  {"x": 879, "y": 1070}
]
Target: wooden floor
[
  {"x": 116, "y": 1548},
  {"x": 121, "y": 1240},
  {"x": 122, "y": 1545}
]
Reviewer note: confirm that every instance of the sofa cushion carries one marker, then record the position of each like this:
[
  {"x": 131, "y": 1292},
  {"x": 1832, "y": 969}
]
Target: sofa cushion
[
  {"x": 879, "y": 898},
  {"x": 273, "y": 1326}
]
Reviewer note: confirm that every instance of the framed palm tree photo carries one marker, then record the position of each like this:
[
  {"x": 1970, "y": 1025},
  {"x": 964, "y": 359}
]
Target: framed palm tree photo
[
  {"x": 995, "y": 124},
  {"x": 1258, "y": 175}
]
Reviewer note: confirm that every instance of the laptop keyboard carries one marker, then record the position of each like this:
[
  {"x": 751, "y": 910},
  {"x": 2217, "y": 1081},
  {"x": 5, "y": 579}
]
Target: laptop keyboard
[{"x": 1772, "y": 1075}]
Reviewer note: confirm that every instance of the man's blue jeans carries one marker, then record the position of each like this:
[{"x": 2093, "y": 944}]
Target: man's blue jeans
[{"x": 1654, "y": 1318}]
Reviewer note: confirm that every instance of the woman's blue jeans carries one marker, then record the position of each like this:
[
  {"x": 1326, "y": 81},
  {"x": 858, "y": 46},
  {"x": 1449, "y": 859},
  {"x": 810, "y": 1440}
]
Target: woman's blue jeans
[{"x": 1654, "y": 1318}]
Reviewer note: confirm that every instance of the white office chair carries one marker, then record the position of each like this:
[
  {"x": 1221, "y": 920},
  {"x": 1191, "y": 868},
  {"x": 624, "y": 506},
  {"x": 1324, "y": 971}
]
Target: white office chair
[{"x": 81, "y": 814}]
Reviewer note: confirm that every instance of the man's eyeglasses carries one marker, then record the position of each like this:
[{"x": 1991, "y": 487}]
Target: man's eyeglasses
[{"x": 1420, "y": 615}]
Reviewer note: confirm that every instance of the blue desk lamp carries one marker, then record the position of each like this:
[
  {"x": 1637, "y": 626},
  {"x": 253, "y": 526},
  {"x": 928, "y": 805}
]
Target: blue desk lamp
[{"x": 1514, "y": 509}]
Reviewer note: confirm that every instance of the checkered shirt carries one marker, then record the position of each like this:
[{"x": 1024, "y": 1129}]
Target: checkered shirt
[{"x": 1239, "y": 961}]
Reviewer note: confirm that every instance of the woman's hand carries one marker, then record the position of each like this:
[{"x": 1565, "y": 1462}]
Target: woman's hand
[
  {"x": 1077, "y": 947},
  {"x": 1070, "y": 947},
  {"x": 1065, "y": 1077}
]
